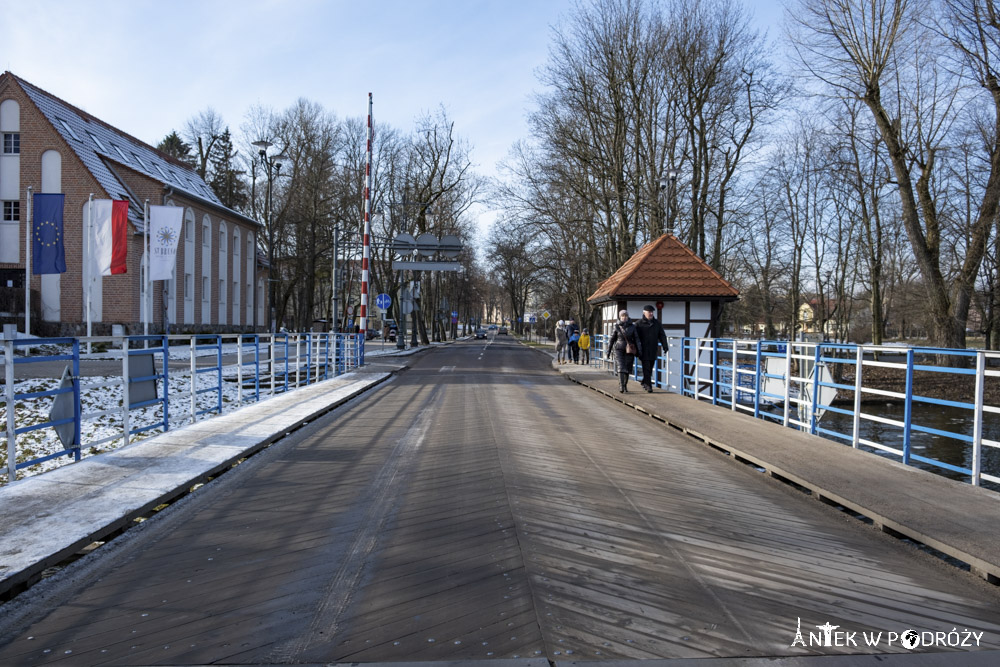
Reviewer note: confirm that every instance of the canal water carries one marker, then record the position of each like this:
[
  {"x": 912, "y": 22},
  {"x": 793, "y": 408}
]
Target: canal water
[{"x": 930, "y": 445}]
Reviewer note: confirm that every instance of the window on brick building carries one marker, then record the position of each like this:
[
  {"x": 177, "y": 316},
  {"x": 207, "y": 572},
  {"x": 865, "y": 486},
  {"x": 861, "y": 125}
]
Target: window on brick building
[
  {"x": 205, "y": 291},
  {"x": 12, "y": 211},
  {"x": 11, "y": 143}
]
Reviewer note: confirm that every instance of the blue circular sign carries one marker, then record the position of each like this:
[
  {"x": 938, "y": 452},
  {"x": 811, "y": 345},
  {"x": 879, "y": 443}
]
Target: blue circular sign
[{"x": 383, "y": 301}]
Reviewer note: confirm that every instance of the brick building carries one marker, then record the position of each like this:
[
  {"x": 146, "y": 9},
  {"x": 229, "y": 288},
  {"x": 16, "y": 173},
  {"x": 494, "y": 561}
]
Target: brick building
[{"x": 49, "y": 145}]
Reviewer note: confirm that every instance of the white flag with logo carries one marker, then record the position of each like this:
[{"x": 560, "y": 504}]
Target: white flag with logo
[{"x": 164, "y": 232}]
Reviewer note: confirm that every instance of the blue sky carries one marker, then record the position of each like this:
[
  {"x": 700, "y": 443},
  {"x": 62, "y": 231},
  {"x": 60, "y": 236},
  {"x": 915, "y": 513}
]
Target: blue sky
[{"x": 147, "y": 66}]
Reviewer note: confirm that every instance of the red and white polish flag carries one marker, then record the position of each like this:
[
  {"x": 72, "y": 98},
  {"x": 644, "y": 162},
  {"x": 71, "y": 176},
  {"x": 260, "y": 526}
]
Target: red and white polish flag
[{"x": 110, "y": 236}]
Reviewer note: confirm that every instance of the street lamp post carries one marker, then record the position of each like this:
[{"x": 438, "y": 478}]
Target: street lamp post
[
  {"x": 667, "y": 186},
  {"x": 272, "y": 165}
]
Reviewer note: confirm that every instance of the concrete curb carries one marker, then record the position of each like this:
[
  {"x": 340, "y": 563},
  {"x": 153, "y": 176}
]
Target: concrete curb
[{"x": 50, "y": 518}]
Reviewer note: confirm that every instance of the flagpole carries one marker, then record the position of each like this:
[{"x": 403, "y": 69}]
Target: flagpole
[
  {"x": 27, "y": 267},
  {"x": 146, "y": 302},
  {"x": 87, "y": 269}
]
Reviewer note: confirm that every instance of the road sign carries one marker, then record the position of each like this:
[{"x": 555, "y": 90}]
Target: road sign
[
  {"x": 546, "y": 315},
  {"x": 533, "y": 319},
  {"x": 383, "y": 301},
  {"x": 454, "y": 313},
  {"x": 350, "y": 310},
  {"x": 406, "y": 307}
]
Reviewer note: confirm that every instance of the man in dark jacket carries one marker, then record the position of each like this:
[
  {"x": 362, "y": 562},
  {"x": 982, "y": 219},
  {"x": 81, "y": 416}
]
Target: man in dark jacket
[{"x": 649, "y": 331}]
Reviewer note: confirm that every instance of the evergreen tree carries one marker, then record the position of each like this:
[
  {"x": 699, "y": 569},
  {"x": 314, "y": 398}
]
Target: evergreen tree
[
  {"x": 176, "y": 147},
  {"x": 224, "y": 177}
]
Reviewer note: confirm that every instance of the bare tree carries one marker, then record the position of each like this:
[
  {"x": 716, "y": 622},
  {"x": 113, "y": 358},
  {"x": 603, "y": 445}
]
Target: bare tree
[
  {"x": 883, "y": 53},
  {"x": 203, "y": 132}
]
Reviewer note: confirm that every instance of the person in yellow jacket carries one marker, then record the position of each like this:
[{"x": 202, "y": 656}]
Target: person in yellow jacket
[{"x": 584, "y": 344}]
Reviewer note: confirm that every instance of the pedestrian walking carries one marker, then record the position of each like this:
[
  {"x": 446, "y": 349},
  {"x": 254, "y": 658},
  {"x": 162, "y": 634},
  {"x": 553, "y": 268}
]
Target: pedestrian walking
[
  {"x": 561, "y": 339},
  {"x": 573, "y": 340},
  {"x": 651, "y": 337},
  {"x": 624, "y": 344},
  {"x": 584, "y": 344}
]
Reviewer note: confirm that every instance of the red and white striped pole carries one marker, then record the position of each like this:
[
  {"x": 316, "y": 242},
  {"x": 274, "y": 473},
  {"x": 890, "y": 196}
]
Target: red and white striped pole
[{"x": 366, "y": 240}]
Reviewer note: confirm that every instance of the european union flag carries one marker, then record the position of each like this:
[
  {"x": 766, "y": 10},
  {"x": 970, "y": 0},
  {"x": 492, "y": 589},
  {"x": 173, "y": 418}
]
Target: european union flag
[{"x": 47, "y": 252}]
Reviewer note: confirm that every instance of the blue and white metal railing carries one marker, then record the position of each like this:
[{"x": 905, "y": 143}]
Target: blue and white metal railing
[
  {"x": 11, "y": 397},
  {"x": 776, "y": 380},
  {"x": 324, "y": 356}
]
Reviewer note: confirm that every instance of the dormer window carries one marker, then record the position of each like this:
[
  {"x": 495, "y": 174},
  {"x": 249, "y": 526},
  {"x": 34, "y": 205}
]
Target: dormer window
[
  {"x": 97, "y": 142},
  {"x": 68, "y": 129}
]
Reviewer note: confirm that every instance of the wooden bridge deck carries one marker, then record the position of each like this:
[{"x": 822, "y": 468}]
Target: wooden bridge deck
[{"x": 479, "y": 507}]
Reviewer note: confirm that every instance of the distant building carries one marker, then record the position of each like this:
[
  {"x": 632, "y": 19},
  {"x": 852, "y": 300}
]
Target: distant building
[
  {"x": 52, "y": 146},
  {"x": 687, "y": 293},
  {"x": 809, "y": 321},
  {"x": 688, "y": 296}
]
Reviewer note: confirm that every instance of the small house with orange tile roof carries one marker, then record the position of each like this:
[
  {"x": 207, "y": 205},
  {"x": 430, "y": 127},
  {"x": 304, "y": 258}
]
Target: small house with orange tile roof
[{"x": 687, "y": 293}]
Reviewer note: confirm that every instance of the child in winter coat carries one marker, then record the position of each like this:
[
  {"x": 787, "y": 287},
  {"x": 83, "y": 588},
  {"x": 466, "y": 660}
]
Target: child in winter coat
[{"x": 584, "y": 344}]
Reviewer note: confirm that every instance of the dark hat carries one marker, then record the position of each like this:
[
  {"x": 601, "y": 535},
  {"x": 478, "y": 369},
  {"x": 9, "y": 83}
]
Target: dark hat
[{"x": 649, "y": 308}]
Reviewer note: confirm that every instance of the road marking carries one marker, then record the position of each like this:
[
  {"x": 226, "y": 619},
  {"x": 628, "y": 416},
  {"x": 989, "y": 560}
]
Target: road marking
[{"x": 446, "y": 369}]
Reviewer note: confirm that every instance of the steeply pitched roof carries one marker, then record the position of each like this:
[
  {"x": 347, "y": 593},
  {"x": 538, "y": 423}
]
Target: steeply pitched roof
[
  {"x": 664, "y": 268},
  {"x": 100, "y": 147}
]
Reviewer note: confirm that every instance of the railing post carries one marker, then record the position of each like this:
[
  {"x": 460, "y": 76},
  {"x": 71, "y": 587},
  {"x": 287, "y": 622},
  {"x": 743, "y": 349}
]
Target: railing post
[
  {"x": 817, "y": 355},
  {"x": 757, "y": 384},
  {"x": 788, "y": 380},
  {"x": 166, "y": 383},
  {"x": 256, "y": 368},
  {"x": 298, "y": 359},
  {"x": 734, "y": 378},
  {"x": 77, "y": 413},
  {"x": 977, "y": 425},
  {"x": 194, "y": 380},
  {"x": 239, "y": 370},
  {"x": 8, "y": 367},
  {"x": 286, "y": 363},
  {"x": 126, "y": 389},
  {"x": 715, "y": 371},
  {"x": 908, "y": 407},
  {"x": 326, "y": 355},
  {"x": 218, "y": 371},
  {"x": 856, "y": 425},
  {"x": 272, "y": 361}
]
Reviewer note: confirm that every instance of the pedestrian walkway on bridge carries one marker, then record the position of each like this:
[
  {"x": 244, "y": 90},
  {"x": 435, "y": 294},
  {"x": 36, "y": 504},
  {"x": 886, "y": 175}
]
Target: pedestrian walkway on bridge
[{"x": 957, "y": 519}]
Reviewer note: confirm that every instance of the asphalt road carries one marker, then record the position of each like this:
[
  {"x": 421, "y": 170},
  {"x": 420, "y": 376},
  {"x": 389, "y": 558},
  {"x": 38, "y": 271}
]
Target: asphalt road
[{"x": 479, "y": 506}]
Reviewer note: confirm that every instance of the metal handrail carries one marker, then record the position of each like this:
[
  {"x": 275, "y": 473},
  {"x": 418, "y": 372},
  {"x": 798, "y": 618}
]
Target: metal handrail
[{"x": 326, "y": 356}]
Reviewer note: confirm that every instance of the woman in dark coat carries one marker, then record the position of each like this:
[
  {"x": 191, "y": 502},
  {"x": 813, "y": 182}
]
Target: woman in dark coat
[{"x": 623, "y": 335}]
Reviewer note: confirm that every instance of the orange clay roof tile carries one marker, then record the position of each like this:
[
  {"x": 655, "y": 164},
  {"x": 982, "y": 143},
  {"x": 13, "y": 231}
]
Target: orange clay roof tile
[{"x": 664, "y": 268}]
